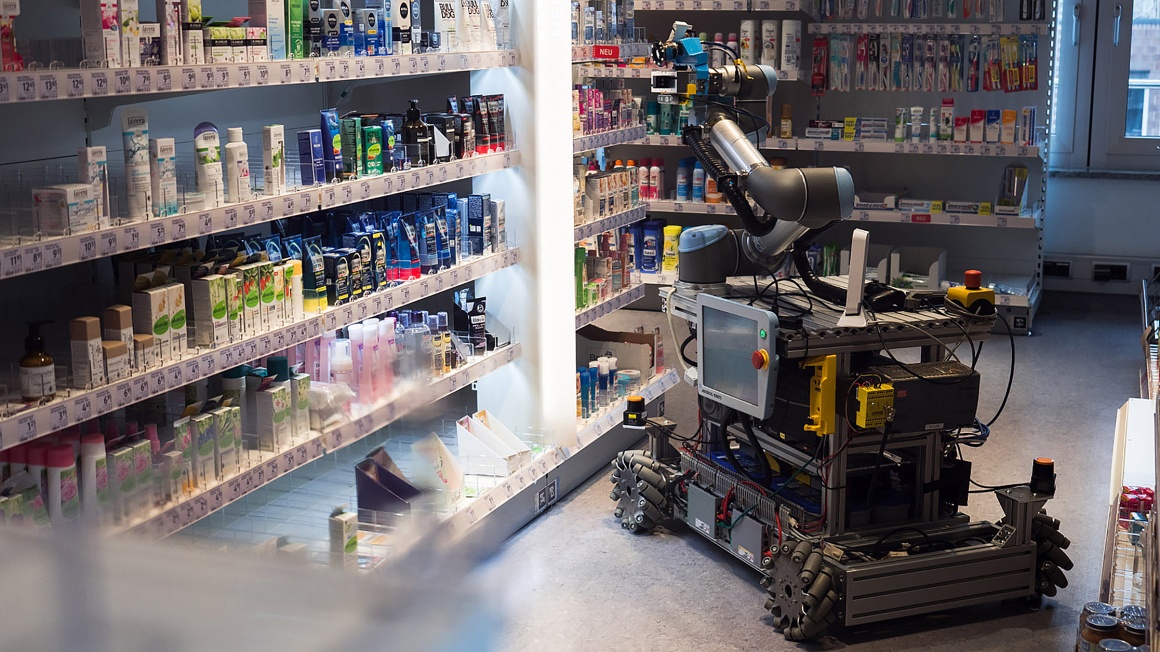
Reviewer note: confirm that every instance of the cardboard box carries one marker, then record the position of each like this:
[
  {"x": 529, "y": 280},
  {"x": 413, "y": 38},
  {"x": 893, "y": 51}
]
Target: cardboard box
[
  {"x": 117, "y": 359},
  {"x": 227, "y": 440},
  {"x": 178, "y": 333},
  {"x": 251, "y": 298},
  {"x": 101, "y": 31},
  {"x": 204, "y": 446},
  {"x": 151, "y": 317},
  {"x": 211, "y": 326},
  {"x": 978, "y": 125},
  {"x": 273, "y": 419},
  {"x": 67, "y": 208},
  {"x": 1007, "y": 126},
  {"x": 632, "y": 350},
  {"x": 118, "y": 325},
  {"x": 144, "y": 352},
  {"x": 88, "y": 358}
]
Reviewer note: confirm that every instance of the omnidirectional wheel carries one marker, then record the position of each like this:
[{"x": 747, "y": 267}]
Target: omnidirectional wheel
[
  {"x": 801, "y": 590},
  {"x": 641, "y": 485}
]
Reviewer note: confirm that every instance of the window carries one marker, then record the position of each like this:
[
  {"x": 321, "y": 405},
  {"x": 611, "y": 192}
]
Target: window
[{"x": 1107, "y": 76}]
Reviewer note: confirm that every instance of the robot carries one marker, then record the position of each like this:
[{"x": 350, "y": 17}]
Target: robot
[{"x": 821, "y": 460}]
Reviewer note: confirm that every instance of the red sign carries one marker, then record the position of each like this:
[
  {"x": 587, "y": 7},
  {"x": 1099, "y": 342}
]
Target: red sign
[
  {"x": 606, "y": 51},
  {"x": 920, "y": 218}
]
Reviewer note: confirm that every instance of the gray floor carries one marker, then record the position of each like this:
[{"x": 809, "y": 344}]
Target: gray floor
[{"x": 579, "y": 582}]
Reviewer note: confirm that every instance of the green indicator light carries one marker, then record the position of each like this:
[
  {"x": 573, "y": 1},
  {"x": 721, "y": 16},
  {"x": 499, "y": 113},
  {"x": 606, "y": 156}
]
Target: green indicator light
[{"x": 762, "y": 333}]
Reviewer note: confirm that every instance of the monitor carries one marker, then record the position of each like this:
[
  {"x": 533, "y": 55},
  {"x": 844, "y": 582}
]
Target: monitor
[{"x": 736, "y": 355}]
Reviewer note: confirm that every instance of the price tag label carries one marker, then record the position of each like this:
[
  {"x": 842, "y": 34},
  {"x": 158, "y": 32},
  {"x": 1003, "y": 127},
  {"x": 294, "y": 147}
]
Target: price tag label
[
  {"x": 380, "y": 67},
  {"x": 193, "y": 369},
  {"x": 157, "y": 233},
  {"x": 179, "y": 229},
  {"x": 416, "y": 179},
  {"x": 26, "y": 426},
  {"x": 329, "y": 69},
  {"x": 285, "y": 73},
  {"x": 306, "y": 73},
  {"x": 49, "y": 87},
  {"x": 188, "y": 79},
  {"x": 412, "y": 65},
  {"x": 25, "y": 88},
  {"x": 271, "y": 468},
  {"x": 99, "y": 82},
  {"x": 157, "y": 382},
  {"x": 5, "y": 90},
  {"x": 174, "y": 377},
  {"x": 128, "y": 392},
  {"x": 13, "y": 262},
  {"x": 344, "y": 68},
  {"x": 131, "y": 238},
  {"x": 249, "y": 214},
  {"x": 263, "y": 74},
  {"x": 206, "y": 78},
  {"x": 144, "y": 81},
  {"x": 33, "y": 259},
  {"x": 289, "y": 206},
  {"x": 347, "y": 193},
  {"x": 103, "y": 401},
  {"x": 53, "y": 256},
  {"x": 307, "y": 201},
  {"x": 58, "y": 417},
  {"x": 122, "y": 82},
  {"x": 222, "y": 77},
  {"x": 329, "y": 197},
  {"x": 245, "y": 76},
  {"x": 364, "y": 190},
  {"x": 208, "y": 364},
  {"x": 360, "y": 68},
  {"x": 232, "y": 217}
]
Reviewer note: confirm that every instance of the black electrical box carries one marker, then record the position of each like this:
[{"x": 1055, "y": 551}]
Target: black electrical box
[{"x": 946, "y": 396}]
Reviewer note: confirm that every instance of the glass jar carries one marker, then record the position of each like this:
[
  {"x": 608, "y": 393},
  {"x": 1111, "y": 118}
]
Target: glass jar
[
  {"x": 1134, "y": 631},
  {"x": 1115, "y": 645},
  {"x": 1096, "y": 609},
  {"x": 1095, "y": 629}
]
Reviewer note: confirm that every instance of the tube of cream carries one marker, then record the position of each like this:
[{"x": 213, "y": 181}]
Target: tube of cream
[
  {"x": 135, "y": 130},
  {"x": 274, "y": 159},
  {"x": 916, "y": 123},
  {"x": 163, "y": 175},
  {"x": 208, "y": 161}
]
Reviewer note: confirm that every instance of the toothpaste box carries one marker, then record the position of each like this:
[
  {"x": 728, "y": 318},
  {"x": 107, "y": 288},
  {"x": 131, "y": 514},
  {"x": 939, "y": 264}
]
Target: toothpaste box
[
  {"x": 978, "y": 125},
  {"x": 962, "y": 125},
  {"x": 991, "y": 132},
  {"x": 1007, "y": 127}
]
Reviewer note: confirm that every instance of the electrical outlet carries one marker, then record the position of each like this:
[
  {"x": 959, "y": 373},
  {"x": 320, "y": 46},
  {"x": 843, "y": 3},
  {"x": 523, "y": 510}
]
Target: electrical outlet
[
  {"x": 1057, "y": 268},
  {"x": 1110, "y": 271}
]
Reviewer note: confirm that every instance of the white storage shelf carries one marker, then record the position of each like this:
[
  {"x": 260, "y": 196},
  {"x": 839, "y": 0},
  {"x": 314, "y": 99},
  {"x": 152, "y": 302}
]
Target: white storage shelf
[
  {"x": 48, "y": 85},
  {"x": 1027, "y": 221},
  {"x": 624, "y": 72},
  {"x": 981, "y": 28},
  {"x": 47, "y": 253},
  {"x": 611, "y": 304},
  {"x": 1133, "y": 465},
  {"x": 265, "y": 467},
  {"x": 719, "y": 5},
  {"x": 875, "y": 147},
  {"x": 598, "y": 226},
  {"x": 592, "y": 142},
  {"x": 77, "y": 406}
]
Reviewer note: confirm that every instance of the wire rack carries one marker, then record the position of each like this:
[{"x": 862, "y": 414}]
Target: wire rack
[{"x": 1128, "y": 581}]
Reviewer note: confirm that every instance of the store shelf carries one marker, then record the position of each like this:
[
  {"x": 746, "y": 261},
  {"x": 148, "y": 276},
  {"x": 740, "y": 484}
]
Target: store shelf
[
  {"x": 272, "y": 466},
  {"x": 49, "y": 253},
  {"x": 596, "y": 227},
  {"x": 625, "y": 72},
  {"x": 699, "y": 208},
  {"x": 939, "y": 148},
  {"x": 524, "y": 482},
  {"x": 607, "y": 139},
  {"x": 875, "y": 147},
  {"x": 83, "y": 405},
  {"x": 1133, "y": 465},
  {"x": 718, "y": 5},
  {"x": 611, "y": 304},
  {"x": 659, "y": 278},
  {"x": 610, "y": 51},
  {"x": 67, "y": 84},
  {"x": 1029, "y": 221},
  {"x": 979, "y": 28}
]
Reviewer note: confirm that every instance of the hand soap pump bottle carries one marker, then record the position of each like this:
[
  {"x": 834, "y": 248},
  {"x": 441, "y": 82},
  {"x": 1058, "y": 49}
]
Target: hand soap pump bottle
[
  {"x": 37, "y": 371},
  {"x": 417, "y": 137}
]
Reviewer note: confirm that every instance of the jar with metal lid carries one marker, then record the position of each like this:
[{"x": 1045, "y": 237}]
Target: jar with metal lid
[
  {"x": 1115, "y": 645},
  {"x": 1096, "y": 609},
  {"x": 1134, "y": 612},
  {"x": 1095, "y": 629},
  {"x": 1134, "y": 630}
]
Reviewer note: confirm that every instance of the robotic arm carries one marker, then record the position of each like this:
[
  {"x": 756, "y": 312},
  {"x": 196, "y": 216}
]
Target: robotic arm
[{"x": 793, "y": 202}]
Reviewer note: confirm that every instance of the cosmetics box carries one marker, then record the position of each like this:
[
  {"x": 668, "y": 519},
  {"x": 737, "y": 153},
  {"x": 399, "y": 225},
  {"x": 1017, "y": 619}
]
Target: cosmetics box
[
  {"x": 971, "y": 207},
  {"x": 66, "y": 208},
  {"x": 117, "y": 360},
  {"x": 267, "y": 293},
  {"x": 178, "y": 333},
  {"x": 92, "y": 168},
  {"x": 991, "y": 130},
  {"x": 337, "y": 278},
  {"x": 257, "y": 45},
  {"x": 192, "y": 33},
  {"x": 1025, "y": 130},
  {"x": 978, "y": 125},
  {"x": 272, "y": 417},
  {"x": 211, "y": 325},
  {"x": 311, "y": 158},
  {"x": 1007, "y": 126},
  {"x": 101, "y": 32},
  {"x": 163, "y": 175},
  {"x": 344, "y": 541},
  {"x": 169, "y": 18},
  {"x": 297, "y": 26},
  {"x": 204, "y": 445},
  {"x": 118, "y": 325},
  {"x": 122, "y": 481},
  {"x": 921, "y": 205},
  {"x": 228, "y": 440},
  {"x": 88, "y": 358},
  {"x": 251, "y": 298},
  {"x": 300, "y": 404},
  {"x": 235, "y": 304},
  {"x": 271, "y": 15},
  {"x": 144, "y": 351},
  {"x": 130, "y": 19},
  {"x": 962, "y": 127}
]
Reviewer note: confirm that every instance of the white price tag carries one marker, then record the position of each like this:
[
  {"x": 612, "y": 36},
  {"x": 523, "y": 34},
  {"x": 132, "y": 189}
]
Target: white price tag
[
  {"x": 107, "y": 399},
  {"x": 33, "y": 259},
  {"x": 26, "y": 426},
  {"x": 193, "y": 369},
  {"x": 344, "y": 69},
  {"x": 307, "y": 201},
  {"x": 306, "y": 73},
  {"x": 263, "y": 75},
  {"x": 232, "y": 217},
  {"x": 285, "y": 73},
  {"x": 122, "y": 82},
  {"x": 288, "y": 206},
  {"x": 347, "y": 193},
  {"x": 13, "y": 262},
  {"x": 360, "y": 68},
  {"x": 329, "y": 70},
  {"x": 82, "y": 409},
  {"x": 174, "y": 377},
  {"x": 49, "y": 86},
  {"x": 178, "y": 232},
  {"x": 222, "y": 77},
  {"x": 245, "y": 76},
  {"x": 99, "y": 83},
  {"x": 58, "y": 417},
  {"x": 206, "y": 78},
  {"x": 249, "y": 214},
  {"x": 164, "y": 80},
  {"x": 5, "y": 90},
  {"x": 157, "y": 233},
  {"x": 131, "y": 239},
  {"x": 188, "y": 79},
  {"x": 329, "y": 197},
  {"x": 380, "y": 67},
  {"x": 140, "y": 388},
  {"x": 144, "y": 81},
  {"x": 25, "y": 88},
  {"x": 53, "y": 257},
  {"x": 204, "y": 223}
]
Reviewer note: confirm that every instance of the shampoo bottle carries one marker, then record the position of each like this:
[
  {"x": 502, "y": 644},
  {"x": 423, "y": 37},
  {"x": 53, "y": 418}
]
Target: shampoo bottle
[
  {"x": 655, "y": 179},
  {"x": 37, "y": 371},
  {"x": 208, "y": 163},
  {"x": 237, "y": 167},
  {"x": 683, "y": 180},
  {"x": 697, "y": 193}
]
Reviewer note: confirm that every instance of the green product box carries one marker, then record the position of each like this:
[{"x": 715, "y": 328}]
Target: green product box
[
  {"x": 274, "y": 417},
  {"x": 204, "y": 447},
  {"x": 300, "y": 400},
  {"x": 351, "y": 130},
  {"x": 143, "y": 468},
  {"x": 234, "y": 305},
  {"x": 251, "y": 298},
  {"x": 295, "y": 45},
  {"x": 372, "y": 151},
  {"x": 211, "y": 324},
  {"x": 228, "y": 448},
  {"x": 123, "y": 481},
  {"x": 267, "y": 292}
]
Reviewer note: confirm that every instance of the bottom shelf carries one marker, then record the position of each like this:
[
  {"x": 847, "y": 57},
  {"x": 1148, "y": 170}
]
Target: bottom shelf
[{"x": 297, "y": 505}]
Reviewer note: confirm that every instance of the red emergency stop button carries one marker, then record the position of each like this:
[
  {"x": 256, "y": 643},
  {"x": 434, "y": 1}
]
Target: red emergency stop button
[{"x": 760, "y": 359}]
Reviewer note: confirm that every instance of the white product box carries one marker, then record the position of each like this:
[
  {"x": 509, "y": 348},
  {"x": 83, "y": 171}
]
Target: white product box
[
  {"x": 130, "y": 19},
  {"x": 67, "y": 208},
  {"x": 271, "y": 14},
  {"x": 101, "y": 32},
  {"x": 93, "y": 168},
  {"x": 151, "y": 317},
  {"x": 178, "y": 342},
  {"x": 163, "y": 175},
  {"x": 169, "y": 16},
  {"x": 88, "y": 358}
]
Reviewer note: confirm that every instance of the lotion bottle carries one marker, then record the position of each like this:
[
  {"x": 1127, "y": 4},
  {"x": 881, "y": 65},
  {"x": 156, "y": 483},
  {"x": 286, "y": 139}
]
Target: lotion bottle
[
  {"x": 37, "y": 371},
  {"x": 237, "y": 167}
]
